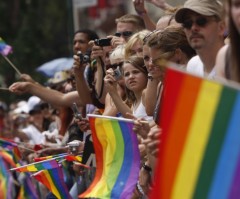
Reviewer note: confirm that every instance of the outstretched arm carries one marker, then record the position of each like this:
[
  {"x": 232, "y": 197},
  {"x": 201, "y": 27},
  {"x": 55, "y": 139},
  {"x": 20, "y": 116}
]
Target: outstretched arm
[{"x": 49, "y": 95}]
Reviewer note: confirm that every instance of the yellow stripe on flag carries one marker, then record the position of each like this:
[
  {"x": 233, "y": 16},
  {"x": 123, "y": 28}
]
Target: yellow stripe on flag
[
  {"x": 102, "y": 186},
  {"x": 53, "y": 187},
  {"x": 198, "y": 135}
]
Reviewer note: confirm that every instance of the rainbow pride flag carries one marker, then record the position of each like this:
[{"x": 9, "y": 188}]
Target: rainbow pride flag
[
  {"x": 117, "y": 158},
  {"x": 4, "y": 48},
  {"x": 33, "y": 167},
  {"x": 53, "y": 180},
  {"x": 199, "y": 154}
]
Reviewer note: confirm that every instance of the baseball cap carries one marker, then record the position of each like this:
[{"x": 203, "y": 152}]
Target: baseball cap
[{"x": 202, "y": 7}]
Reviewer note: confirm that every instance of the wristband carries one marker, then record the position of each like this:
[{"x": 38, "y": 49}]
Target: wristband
[
  {"x": 147, "y": 168},
  {"x": 150, "y": 77}
]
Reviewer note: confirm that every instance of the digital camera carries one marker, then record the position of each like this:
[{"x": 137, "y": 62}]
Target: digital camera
[
  {"x": 117, "y": 73},
  {"x": 84, "y": 58},
  {"x": 103, "y": 42}
]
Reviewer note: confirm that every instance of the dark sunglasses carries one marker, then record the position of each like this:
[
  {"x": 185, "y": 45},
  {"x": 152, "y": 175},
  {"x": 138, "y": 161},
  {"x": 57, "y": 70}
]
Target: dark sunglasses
[
  {"x": 201, "y": 21},
  {"x": 124, "y": 34},
  {"x": 114, "y": 66}
]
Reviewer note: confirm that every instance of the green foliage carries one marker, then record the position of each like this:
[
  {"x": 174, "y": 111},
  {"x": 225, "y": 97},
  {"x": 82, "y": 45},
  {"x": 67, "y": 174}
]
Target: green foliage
[{"x": 38, "y": 31}]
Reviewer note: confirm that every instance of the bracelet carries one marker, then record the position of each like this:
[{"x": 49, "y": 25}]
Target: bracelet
[
  {"x": 147, "y": 168},
  {"x": 139, "y": 188}
]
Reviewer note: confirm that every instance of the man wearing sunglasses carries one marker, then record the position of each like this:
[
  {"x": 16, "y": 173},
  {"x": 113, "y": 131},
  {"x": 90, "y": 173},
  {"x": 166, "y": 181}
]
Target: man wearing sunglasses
[
  {"x": 204, "y": 28},
  {"x": 127, "y": 25}
]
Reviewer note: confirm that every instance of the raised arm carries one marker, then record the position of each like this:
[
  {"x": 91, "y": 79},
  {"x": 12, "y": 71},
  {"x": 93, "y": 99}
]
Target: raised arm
[
  {"x": 142, "y": 12},
  {"x": 111, "y": 86}
]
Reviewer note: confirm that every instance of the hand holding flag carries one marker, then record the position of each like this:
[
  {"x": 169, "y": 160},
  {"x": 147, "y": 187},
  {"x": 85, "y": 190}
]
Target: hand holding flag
[{"x": 5, "y": 49}]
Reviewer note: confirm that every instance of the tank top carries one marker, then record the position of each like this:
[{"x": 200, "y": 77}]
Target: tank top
[{"x": 140, "y": 112}]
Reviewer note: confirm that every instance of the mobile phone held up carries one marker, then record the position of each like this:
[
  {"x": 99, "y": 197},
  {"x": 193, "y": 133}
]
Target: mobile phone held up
[
  {"x": 103, "y": 42},
  {"x": 76, "y": 112}
]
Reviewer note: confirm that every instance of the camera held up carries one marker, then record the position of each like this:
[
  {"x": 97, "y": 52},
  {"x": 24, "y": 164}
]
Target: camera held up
[{"x": 84, "y": 58}]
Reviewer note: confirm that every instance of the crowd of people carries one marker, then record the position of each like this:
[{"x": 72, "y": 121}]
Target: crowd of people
[{"x": 122, "y": 75}]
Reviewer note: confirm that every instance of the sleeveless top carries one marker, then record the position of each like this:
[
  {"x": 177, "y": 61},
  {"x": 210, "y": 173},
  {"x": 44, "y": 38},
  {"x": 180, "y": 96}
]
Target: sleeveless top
[{"x": 140, "y": 112}]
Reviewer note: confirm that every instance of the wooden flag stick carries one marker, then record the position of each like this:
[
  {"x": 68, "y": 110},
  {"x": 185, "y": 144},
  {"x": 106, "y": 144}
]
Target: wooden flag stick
[
  {"x": 15, "y": 68},
  {"x": 4, "y": 89}
]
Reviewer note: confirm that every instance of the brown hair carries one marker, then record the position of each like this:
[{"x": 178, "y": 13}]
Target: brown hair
[
  {"x": 138, "y": 63},
  {"x": 170, "y": 39},
  {"x": 136, "y": 20},
  {"x": 234, "y": 47}
]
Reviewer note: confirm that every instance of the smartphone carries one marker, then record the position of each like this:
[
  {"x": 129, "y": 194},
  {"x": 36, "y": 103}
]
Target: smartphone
[
  {"x": 103, "y": 42},
  {"x": 76, "y": 112}
]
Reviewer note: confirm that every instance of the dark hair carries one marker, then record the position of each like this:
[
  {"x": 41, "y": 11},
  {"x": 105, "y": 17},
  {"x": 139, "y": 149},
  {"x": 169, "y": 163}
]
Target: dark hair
[
  {"x": 234, "y": 47},
  {"x": 92, "y": 35}
]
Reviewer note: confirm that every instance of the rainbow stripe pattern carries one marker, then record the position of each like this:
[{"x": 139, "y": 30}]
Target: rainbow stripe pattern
[
  {"x": 117, "y": 158},
  {"x": 33, "y": 167},
  {"x": 53, "y": 180},
  {"x": 200, "y": 145},
  {"x": 4, "y": 48}
]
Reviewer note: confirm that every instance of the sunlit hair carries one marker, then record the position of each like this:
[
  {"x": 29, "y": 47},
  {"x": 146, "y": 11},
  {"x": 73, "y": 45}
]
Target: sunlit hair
[
  {"x": 136, "y": 20},
  {"x": 170, "y": 39},
  {"x": 138, "y": 63},
  {"x": 137, "y": 37},
  {"x": 117, "y": 54},
  {"x": 234, "y": 46}
]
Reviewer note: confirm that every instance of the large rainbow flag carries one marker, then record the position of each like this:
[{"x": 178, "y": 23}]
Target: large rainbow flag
[
  {"x": 117, "y": 158},
  {"x": 200, "y": 145}
]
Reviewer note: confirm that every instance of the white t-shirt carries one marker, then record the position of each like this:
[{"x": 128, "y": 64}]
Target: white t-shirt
[
  {"x": 34, "y": 135},
  {"x": 196, "y": 67}
]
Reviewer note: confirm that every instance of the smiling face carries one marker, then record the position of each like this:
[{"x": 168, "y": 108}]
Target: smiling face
[{"x": 135, "y": 79}]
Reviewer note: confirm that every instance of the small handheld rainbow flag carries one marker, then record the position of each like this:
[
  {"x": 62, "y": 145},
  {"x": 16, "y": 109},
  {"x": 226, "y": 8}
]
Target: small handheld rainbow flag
[
  {"x": 117, "y": 158},
  {"x": 53, "y": 180},
  {"x": 37, "y": 166},
  {"x": 199, "y": 153},
  {"x": 4, "y": 48}
]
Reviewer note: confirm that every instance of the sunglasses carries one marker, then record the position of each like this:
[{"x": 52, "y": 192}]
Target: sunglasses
[
  {"x": 114, "y": 66},
  {"x": 201, "y": 21},
  {"x": 124, "y": 34}
]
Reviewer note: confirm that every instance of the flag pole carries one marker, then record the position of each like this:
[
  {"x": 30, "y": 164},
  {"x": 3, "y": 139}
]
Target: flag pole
[
  {"x": 4, "y": 89},
  {"x": 15, "y": 68}
]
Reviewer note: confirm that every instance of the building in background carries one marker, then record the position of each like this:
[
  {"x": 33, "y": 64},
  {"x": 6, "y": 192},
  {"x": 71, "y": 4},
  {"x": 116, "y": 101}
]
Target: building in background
[{"x": 100, "y": 15}]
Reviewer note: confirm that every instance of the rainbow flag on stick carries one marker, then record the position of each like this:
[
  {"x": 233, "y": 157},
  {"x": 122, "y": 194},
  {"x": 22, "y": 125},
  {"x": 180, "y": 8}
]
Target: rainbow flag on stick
[
  {"x": 200, "y": 145},
  {"x": 4, "y": 48},
  {"x": 33, "y": 167},
  {"x": 117, "y": 158},
  {"x": 53, "y": 180}
]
